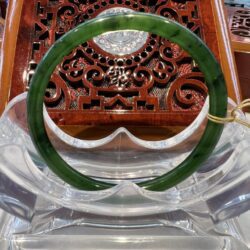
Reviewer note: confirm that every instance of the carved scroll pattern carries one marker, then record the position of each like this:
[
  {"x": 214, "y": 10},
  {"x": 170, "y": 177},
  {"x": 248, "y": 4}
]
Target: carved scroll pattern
[
  {"x": 158, "y": 77},
  {"x": 241, "y": 23}
]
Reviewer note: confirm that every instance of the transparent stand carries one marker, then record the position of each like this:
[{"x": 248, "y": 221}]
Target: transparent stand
[{"x": 39, "y": 211}]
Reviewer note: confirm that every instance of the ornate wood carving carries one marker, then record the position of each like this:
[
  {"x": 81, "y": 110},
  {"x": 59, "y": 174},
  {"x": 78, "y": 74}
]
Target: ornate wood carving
[
  {"x": 158, "y": 84},
  {"x": 239, "y": 22}
]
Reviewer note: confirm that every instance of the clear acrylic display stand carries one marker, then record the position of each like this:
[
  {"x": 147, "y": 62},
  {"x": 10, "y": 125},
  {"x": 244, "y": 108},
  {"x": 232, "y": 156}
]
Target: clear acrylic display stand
[{"x": 39, "y": 211}]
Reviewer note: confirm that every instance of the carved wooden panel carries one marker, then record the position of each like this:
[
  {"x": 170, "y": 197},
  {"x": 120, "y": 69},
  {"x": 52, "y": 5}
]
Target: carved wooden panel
[
  {"x": 239, "y": 22},
  {"x": 146, "y": 81}
]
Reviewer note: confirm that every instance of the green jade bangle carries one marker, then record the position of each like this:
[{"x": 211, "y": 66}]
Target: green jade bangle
[{"x": 133, "y": 21}]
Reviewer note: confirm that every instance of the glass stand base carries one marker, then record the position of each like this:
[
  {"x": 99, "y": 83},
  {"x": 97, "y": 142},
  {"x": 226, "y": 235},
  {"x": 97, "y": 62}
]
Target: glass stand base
[
  {"x": 84, "y": 233},
  {"x": 120, "y": 242},
  {"x": 39, "y": 211}
]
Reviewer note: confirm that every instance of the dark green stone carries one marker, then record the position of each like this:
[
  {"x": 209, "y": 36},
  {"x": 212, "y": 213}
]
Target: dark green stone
[{"x": 135, "y": 21}]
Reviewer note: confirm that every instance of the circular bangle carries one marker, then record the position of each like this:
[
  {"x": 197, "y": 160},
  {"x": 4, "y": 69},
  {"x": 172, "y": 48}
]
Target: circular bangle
[{"x": 160, "y": 26}]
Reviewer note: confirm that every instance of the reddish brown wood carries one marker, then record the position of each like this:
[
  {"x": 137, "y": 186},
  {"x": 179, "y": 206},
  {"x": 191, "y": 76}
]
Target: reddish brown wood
[
  {"x": 243, "y": 63},
  {"x": 239, "y": 23},
  {"x": 157, "y": 85},
  {"x": 3, "y": 7}
]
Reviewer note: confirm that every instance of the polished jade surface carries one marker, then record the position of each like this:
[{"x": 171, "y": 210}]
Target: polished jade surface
[{"x": 134, "y": 21}]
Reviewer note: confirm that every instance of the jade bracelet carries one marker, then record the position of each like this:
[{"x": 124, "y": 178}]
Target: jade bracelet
[{"x": 160, "y": 26}]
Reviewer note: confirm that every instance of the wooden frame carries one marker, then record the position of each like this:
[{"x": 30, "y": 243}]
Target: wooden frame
[{"x": 10, "y": 39}]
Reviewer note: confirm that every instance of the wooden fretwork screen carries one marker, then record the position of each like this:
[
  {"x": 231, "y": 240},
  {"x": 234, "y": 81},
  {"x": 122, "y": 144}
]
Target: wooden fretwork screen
[{"x": 143, "y": 80}]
